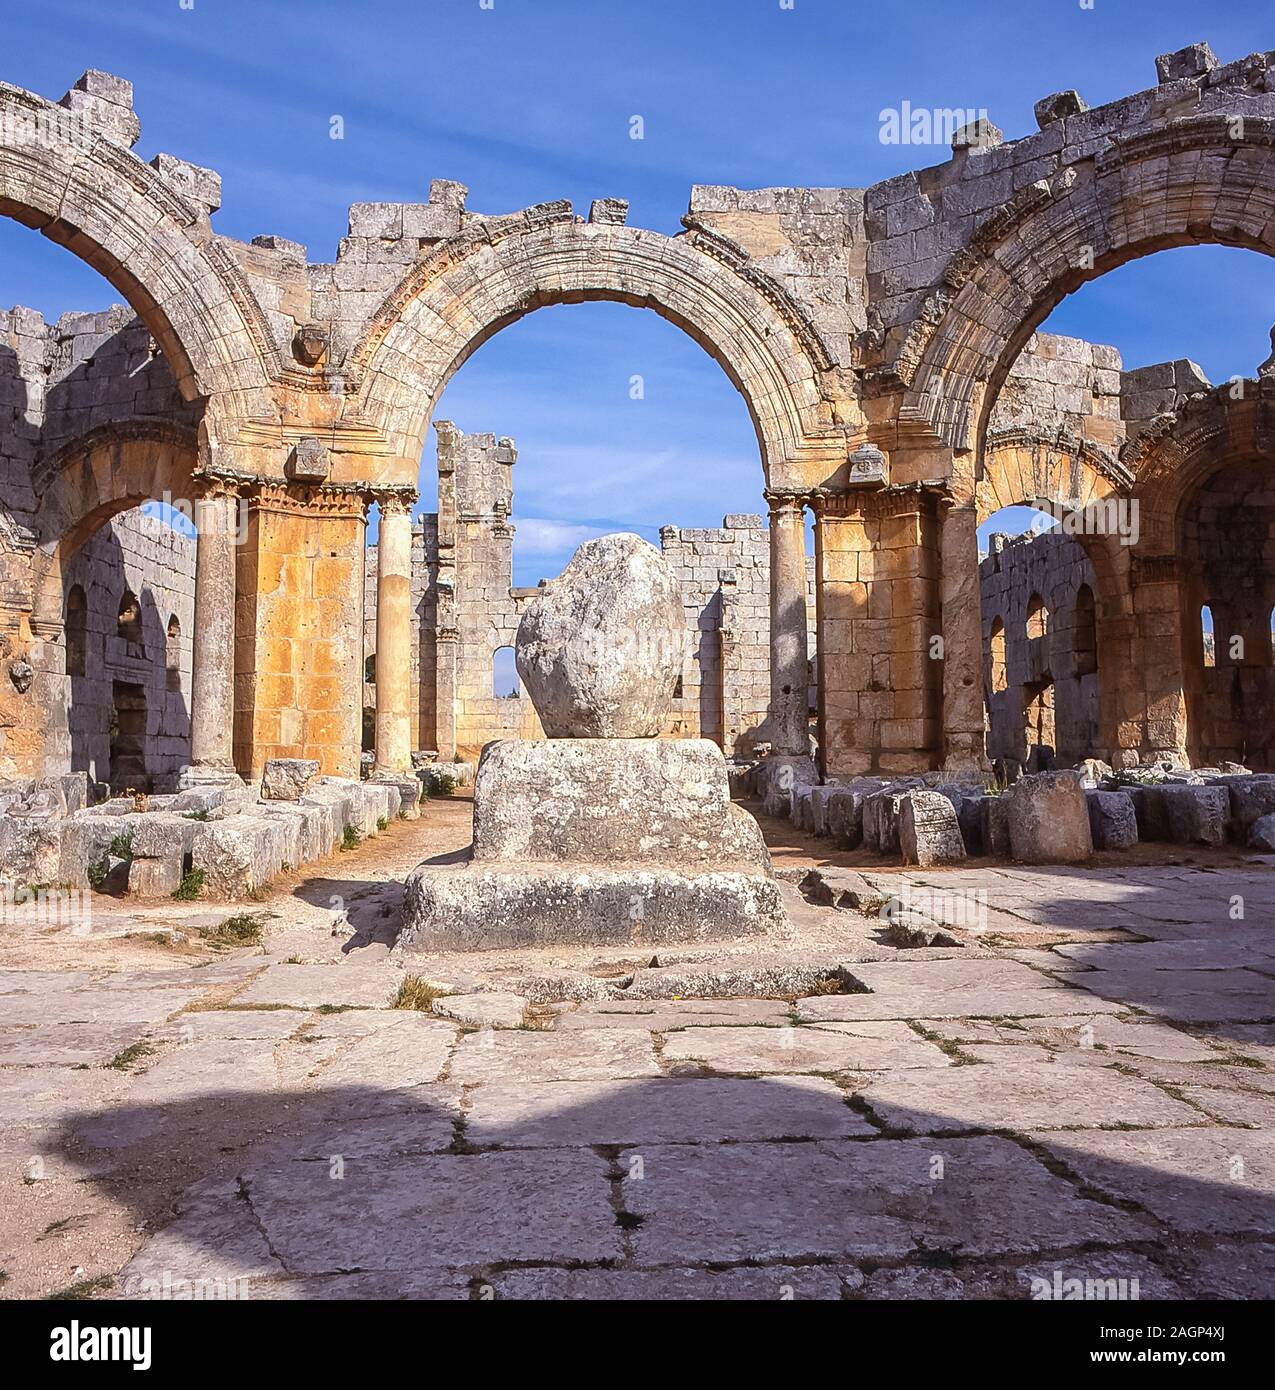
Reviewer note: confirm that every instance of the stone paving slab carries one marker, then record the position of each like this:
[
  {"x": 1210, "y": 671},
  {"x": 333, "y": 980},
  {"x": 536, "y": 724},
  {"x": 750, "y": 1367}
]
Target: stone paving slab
[
  {"x": 1020, "y": 1095},
  {"x": 591, "y": 1055},
  {"x": 834, "y": 1047},
  {"x": 205, "y": 1025},
  {"x": 1100, "y": 1274},
  {"x": 664, "y": 1111},
  {"x": 668, "y": 1015},
  {"x": 947, "y": 989},
  {"x": 1188, "y": 996},
  {"x": 94, "y": 1005},
  {"x": 413, "y": 1050},
  {"x": 308, "y": 986},
  {"x": 782, "y": 1282},
  {"x": 65, "y": 1044},
  {"x": 439, "y": 1212},
  {"x": 884, "y": 1199},
  {"x": 1220, "y": 1181},
  {"x": 1101, "y": 1033}
]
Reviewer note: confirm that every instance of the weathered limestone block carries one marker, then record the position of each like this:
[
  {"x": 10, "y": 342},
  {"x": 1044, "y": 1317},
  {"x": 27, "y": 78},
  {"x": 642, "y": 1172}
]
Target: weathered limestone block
[
  {"x": 929, "y": 832},
  {"x": 289, "y": 820},
  {"x": 996, "y": 813},
  {"x": 1252, "y": 798},
  {"x": 337, "y": 796},
  {"x": 881, "y": 820},
  {"x": 1049, "y": 820},
  {"x": 1092, "y": 772},
  {"x": 1113, "y": 821},
  {"x": 287, "y": 779},
  {"x": 611, "y": 801},
  {"x": 31, "y": 848},
  {"x": 778, "y": 777},
  {"x": 154, "y": 878},
  {"x": 508, "y": 906},
  {"x": 845, "y": 816},
  {"x": 157, "y": 835},
  {"x": 1261, "y": 834},
  {"x": 802, "y": 813},
  {"x": 197, "y": 799},
  {"x": 409, "y": 793},
  {"x": 1198, "y": 815},
  {"x": 238, "y": 855},
  {"x": 601, "y": 648},
  {"x": 85, "y": 841}
]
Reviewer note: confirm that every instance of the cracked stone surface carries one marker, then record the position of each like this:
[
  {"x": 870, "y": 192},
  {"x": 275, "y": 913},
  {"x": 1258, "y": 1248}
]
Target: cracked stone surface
[{"x": 1095, "y": 1097}]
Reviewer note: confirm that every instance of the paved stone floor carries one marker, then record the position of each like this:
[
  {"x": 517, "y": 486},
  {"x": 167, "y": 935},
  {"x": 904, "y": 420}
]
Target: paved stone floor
[{"x": 1085, "y": 1086}]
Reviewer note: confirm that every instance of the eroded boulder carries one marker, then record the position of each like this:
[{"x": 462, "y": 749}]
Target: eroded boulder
[{"x": 601, "y": 649}]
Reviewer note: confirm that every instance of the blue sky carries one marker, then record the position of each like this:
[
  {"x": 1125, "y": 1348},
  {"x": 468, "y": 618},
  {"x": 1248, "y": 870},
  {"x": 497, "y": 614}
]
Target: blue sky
[{"x": 531, "y": 100}]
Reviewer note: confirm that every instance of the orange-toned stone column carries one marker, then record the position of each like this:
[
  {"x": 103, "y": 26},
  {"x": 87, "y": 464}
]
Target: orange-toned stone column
[
  {"x": 394, "y": 634},
  {"x": 216, "y": 517},
  {"x": 962, "y": 652}
]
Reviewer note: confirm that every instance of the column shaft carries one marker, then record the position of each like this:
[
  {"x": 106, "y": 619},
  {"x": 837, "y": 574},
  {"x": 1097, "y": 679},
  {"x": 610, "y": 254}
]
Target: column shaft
[
  {"x": 789, "y": 651},
  {"x": 213, "y": 659},
  {"x": 963, "y": 718},
  {"x": 394, "y": 637}
]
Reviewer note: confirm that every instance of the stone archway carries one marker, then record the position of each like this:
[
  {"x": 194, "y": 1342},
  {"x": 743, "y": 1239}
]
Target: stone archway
[
  {"x": 1188, "y": 181},
  {"x": 1182, "y": 459},
  {"x": 152, "y": 243},
  {"x": 1073, "y": 478},
  {"x": 81, "y": 488},
  {"x": 473, "y": 285}
]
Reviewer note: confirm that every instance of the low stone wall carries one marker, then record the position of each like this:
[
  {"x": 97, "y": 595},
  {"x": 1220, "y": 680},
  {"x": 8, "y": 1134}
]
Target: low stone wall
[{"x": 220, "y": 843}]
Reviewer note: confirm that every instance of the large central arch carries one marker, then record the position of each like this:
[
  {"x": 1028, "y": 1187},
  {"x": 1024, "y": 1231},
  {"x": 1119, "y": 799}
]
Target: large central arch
[{"x": 471, "y": 287}]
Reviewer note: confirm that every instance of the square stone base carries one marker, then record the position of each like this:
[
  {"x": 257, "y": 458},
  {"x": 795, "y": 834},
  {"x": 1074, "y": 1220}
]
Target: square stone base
[{"x": 486, "y": 907}]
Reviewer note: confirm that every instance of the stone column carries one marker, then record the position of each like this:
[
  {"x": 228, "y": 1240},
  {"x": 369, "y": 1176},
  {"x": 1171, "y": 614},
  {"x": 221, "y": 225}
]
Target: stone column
[
  {"x": 394, "y": 634},
  {"x": 789, "y": 654},
  {"x": 963, "y": 720},
  {"x": 216, "y": 517}
]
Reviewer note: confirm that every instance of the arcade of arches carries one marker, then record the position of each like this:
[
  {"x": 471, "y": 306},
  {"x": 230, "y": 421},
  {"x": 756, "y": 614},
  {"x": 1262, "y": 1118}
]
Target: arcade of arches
[{"x": 884, "y": 342}]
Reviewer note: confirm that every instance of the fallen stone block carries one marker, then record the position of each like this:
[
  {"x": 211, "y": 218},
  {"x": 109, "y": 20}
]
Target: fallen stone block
[
  {"x": 154, "y": 878},
  {"x": 1152, "y": 812},
  {"x": 1113, "y": 821},
  {"x": 1261, "y": 834},
  {"x": 881, "y": 813},
  {"x": 845, "y": 816},
  {"x": 969, "y": 816},
  {"x": 239, "y": 855},
  {"x": 995, "y": 818},
  {"x": 31, "y": 848},
  {"x": 496, "y": 1009},
  {"x": 1198, "y": 815},
  {"x": 929, "y": 832},
  {"x": 776, "y": 778},
  {"x": 163, "y": 836},
  {"x": 408, "y": 787},
  {"x": 287, "y": 779},
  {"x": 1049, "y": 820},
  {"x": 1251, "y": 799}
]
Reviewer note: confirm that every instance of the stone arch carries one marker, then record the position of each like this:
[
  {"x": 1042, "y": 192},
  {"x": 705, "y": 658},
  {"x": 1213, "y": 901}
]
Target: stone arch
[
  {"x": 1188, "y": 181},
  {"x": 91, "y": 480},
  {"x": 153, "y": 245},
  {"x": 472, "y": 286}
]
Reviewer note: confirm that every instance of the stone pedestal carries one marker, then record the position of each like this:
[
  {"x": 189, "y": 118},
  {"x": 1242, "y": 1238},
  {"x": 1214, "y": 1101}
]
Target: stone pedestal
[
  {"x": 598, "y": 842},
  {"x": 601, "y": 835}
]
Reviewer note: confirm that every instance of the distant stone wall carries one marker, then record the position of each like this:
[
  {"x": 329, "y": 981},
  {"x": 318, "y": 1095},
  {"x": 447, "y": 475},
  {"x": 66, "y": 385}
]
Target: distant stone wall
[
  {"x": 467, "y": 609},
  {"x": 1044, "y": 684},
  {"x": 724, "y": 575},
  {"x": 130, "y": 682}
]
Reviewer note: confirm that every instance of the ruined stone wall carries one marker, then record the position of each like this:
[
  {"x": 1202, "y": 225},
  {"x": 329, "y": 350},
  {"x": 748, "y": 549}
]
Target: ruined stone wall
[
  {"x": 724, "y": 575},
  {"x": 130, "y": 688},
  {"x": 1063, "y": 386},
  {"x": 1048, "y": 673}
]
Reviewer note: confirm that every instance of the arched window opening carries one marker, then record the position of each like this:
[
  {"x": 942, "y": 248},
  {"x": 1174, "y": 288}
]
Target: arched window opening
[
  {"x": 1084, "y": 632},
  {"x": 504, "y": 674},
  {"x": 76, "y": 632},
  {"x": 129, "y": 622},
  {"x": 1037, "y": 618},
  {"x": 1209, "y": 646}
]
